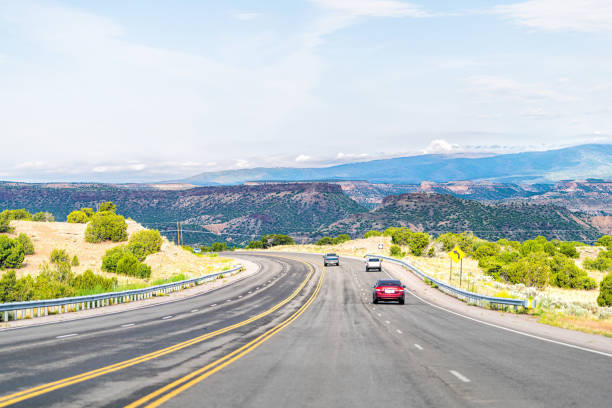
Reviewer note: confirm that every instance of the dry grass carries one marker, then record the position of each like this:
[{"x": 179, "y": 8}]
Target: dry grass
[
  {"x": 584, "y": 324},
  {"x": 46, "y": 236}
]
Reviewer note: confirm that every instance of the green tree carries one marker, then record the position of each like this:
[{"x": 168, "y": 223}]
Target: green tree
[
  {"x": 418, "y": 242},
  {"x": 89, "y": 212},
  {"x": 325, "y": 241},
  {"x": 105, "y": 226},
  {"x": 26, "y": 243},
  {"x": 568, "y": 249},
  {"x": 11, "y": 253},
  {"x": 5, "y": 224},
  {"x": 151, "y": 240},
  {"x": 43, "y": 217},
  {"x": 75, "y": 261},
  {"x": 7, "y": 286},
  {"x": 112, "y": 257},
  {"x": 605, "y": 291},
  {"x": 281, "y": 239},
  {"x": 20, "y": 214},
  {"x": 372, "y": 233},
  {"x": 107, "y": 206},
  {"x": 218, "y": 247},
  {"x": 341, "y": 239},
  {"x": 605, "y": 241},
  {"x": 77, "y": 217},
  {"x": 396, "y": 251}
]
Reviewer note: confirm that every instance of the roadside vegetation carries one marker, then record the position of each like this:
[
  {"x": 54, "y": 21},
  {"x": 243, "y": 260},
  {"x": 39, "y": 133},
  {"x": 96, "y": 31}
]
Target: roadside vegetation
[
  {"x": 271, "y": 240},
  {"x": 570, "y": 281}
]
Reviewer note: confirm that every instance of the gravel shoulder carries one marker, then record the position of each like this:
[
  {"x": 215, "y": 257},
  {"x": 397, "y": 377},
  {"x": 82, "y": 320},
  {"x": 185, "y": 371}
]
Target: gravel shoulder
[{"x": 251, "y": 269}]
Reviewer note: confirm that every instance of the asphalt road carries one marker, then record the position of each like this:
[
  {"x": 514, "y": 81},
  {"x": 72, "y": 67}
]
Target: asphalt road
[{"x": 328, "y": 346}]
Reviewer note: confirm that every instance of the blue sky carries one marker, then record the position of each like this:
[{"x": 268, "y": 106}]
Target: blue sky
[{"x": 157, "y": 90}]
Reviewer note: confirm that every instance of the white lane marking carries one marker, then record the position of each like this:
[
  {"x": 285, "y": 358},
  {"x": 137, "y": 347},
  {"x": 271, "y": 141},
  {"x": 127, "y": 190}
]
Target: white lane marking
[
  {"x": 379, "y": 315},
  {"x": 388, "y": 322},
  {"x": 194, "y": 310},
  {"x": 127, "y": 325},
  {"x": 213, "y": 305},
  {"x": 167, "y": 317},
  {"x": 418, "y": 346},
  {"x": 249, "y": 291},
  {"x": 398, "y": 331},
  {"x": 460, "y": 376},
  {"x": 239, "y": 296},
  {"x": 511, "y": 330},
  {"x": 67, "y": 335},
  {"x": 228, "y": 300},
  {"x": 373, "y": 308},
  {"x": 533, "y": 336}
]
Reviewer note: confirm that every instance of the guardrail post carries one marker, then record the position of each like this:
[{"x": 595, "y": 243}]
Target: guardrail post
[{"x": 5, "y": 317}]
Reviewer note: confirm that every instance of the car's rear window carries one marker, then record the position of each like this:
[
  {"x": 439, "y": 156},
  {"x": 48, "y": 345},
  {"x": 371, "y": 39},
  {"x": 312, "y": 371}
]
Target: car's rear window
[
  {"x": 373, "y": 260},
  {"x": 331, "y": 255},
  {"x": 389, "y": 283}
]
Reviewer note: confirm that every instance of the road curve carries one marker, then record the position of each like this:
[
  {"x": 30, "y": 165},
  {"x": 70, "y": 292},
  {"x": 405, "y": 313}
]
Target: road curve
[{"x": 328, "y": 346}]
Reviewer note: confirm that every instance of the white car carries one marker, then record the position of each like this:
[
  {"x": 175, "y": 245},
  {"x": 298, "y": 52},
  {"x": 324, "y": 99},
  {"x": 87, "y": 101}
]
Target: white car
[{"x": 373, "y": 264}]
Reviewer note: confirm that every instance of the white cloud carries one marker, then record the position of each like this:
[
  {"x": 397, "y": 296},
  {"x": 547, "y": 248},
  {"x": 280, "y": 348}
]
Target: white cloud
[
  {"x": 557, "y": 15},
  {"x": 242, "y": 164},
  {"x": 245, "y": 16},
  {"x": 517, "y": 90},
  {"x": 440, "y": 146},
  {"x": 343, "y": 13},
  {"x": 302, "y": 158},
  {"x": 30, "y": 165},
  {"x": 350, "y": 156},
  {"x": 373, "y": 8}
]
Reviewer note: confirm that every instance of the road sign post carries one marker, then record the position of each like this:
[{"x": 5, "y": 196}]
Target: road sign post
[{"x": 456, "y": 255}]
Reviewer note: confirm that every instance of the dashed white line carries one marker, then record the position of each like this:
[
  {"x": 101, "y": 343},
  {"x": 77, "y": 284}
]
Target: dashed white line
[
  {"x": 418, "y": 346},
  {"x": 398, "y": 331},
  {"x": 388, "y": 322},
  {"x": 167, "y": 317},
  {"x": 460, "y": 376},
  {"x": 194, "y": 310},
  {"x": 379, "y": 315},
  {"x": 67, "y": 335},
  {"x": 127, "y": 325},
  {"x": 228, "y": 300},
  {"x": 249, "y": 291},
  {"x": 213, "y": 305},
  {"x": 239, "y": 296}
]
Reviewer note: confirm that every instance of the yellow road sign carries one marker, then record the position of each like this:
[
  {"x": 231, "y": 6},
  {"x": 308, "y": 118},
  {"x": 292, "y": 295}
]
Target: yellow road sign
[{"x": 456, "y": 254}]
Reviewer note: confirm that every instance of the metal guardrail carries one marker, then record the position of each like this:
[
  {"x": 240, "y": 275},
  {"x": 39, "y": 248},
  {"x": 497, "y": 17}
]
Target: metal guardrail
[
  {"x": 37, "y": 308},
  {"x": 456, "y": 292}
]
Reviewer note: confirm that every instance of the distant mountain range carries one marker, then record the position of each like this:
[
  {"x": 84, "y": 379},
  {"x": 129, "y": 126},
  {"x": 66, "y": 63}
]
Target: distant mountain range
[{"x": 572, "y": 163}]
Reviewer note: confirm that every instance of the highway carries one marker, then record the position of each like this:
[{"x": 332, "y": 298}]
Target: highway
[{"x": 298, "y": 335}]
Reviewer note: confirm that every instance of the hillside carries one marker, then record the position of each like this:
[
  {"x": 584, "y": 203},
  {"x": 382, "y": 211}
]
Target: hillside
[
  {"x": 46, "y": 236},
  {"x": 209, "y": 214},
  {"x": 438, "y": 213},
  {"x": 577, "y": 162}
]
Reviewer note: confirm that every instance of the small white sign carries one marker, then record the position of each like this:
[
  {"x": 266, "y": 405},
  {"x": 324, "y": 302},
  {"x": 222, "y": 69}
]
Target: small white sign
[{"x": 380, "y": 246}]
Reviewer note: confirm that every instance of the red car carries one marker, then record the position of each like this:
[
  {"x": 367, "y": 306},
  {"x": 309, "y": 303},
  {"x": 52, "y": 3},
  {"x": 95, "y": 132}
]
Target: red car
[{"x": 388, "y": 290}]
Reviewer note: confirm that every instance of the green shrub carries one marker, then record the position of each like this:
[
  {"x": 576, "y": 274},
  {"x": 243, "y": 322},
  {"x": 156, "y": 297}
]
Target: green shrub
[
  {"x": 5, "y": 224},
  {"x": 107, "y": 206},
  {"x": 112, "y": 257},
  {"x": 396, "y": 251},
  {"x": 54, "y": 283},
  {"x": 342, "y": 238},
  {"x": 11, "y": 253},
  {"x": 605, "y": 291},
  {"x": 75, "y": 261},
  {"x": 89, "y": 212},
  {"x": 138, "y": 249},
  {"x": 432, "y": 252},
  {"x": 568, "y": 249},
  {"x": 605, "y": 241},
  {"x": 43, "y": 217},
  {"x": 418, "y": 242},
  {"x": 486, "y": 250},
  {"x": 105, "y": 226},
  {"x": 77, "y": 217},
  {"x": 565, "y": 274},
  {"x": 218, "y": 247},
  {"x": 20, "y": 214},
  {"x": 150, "y": 239},
  {"x": 256, "y": 245},
  {"x": 532, "y": 270},
  {"x": 59, "y": 256},
  {"x": 129, "y": 265},
  {"x": 325, "y": 241},
  {"x": 372, "y": 233},
  {"x": 281, "y": 239},
  {"x": 603, "y": 262},
  {"x": 26, "y": 243},
  {"x": 88, "y": 280}
]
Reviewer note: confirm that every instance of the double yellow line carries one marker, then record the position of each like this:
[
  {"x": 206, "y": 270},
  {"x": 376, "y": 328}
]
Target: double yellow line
[
  {"x": 176, "y": 387},
  {"x": 52, "y": 386}
]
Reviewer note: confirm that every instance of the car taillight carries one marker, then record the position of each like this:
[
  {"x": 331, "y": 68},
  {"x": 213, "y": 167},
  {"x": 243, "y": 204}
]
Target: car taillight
[{"x": 379, "y": 289}]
